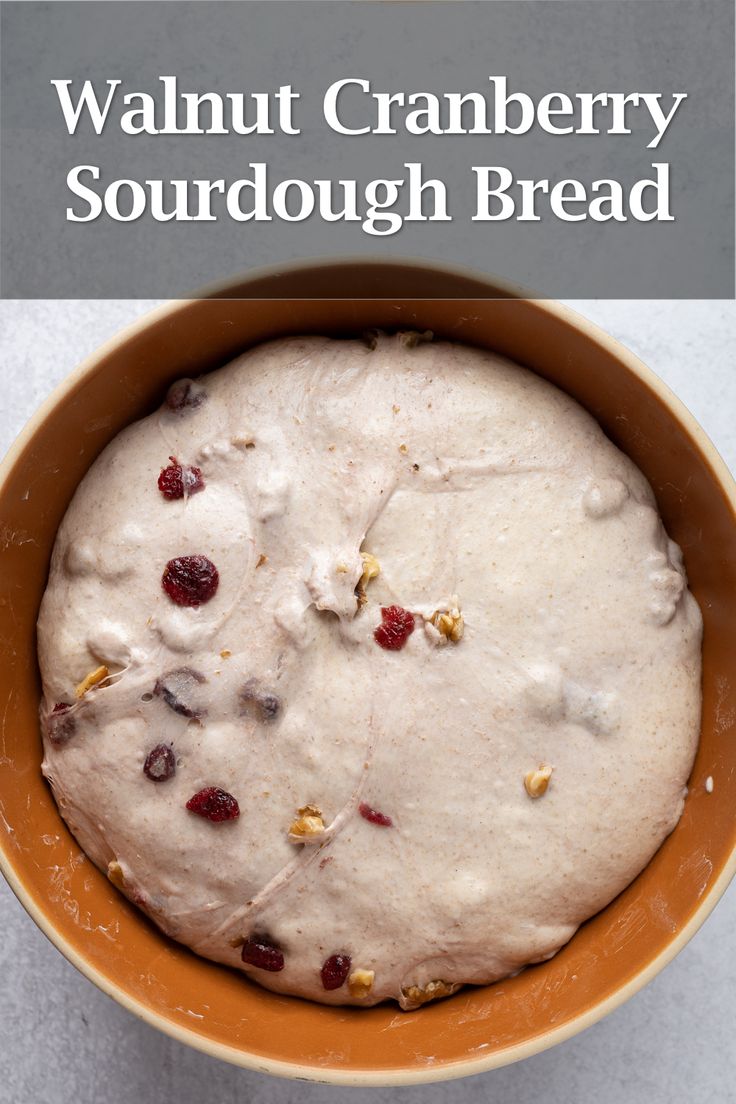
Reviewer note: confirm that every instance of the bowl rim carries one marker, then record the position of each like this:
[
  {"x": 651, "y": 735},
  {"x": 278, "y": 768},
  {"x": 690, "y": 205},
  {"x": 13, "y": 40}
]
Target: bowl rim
[{"x": 370, "y": 1077}]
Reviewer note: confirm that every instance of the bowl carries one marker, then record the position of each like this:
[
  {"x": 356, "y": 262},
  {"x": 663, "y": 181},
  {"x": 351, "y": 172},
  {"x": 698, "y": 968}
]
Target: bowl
[{"x": 206, "y": 1005}]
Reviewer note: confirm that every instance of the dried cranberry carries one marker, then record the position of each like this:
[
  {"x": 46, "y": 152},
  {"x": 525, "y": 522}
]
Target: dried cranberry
[
  {"x": 160, "y": 764},
  {"x": 214, "y": 804},
  {"x": 179, "y": 691},
  {"x": 179, "y": 480},
  {"x": 265, "y": 705},
  {"x": 374, "y": 816},
  {"x": 259, "y": 951},
  {"x": 190, "y": 580},
  {"x": 335, "y": 970},
  {"x": 60, "y": 723},
  {"x": 185, "y": 393},
  {"x": 397, "y": 625}
]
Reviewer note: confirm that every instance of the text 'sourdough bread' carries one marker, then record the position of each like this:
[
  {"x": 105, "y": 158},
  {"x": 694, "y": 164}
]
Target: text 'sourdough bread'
[{"x": 370, "y": 671}]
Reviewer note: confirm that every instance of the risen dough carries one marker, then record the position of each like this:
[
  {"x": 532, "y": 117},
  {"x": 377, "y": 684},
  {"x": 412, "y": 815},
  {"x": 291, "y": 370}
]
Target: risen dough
[{"x": 479, "y": 488}]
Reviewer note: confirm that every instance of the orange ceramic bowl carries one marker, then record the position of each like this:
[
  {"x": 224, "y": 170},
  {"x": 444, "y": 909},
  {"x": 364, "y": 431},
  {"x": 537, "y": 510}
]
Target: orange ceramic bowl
[{"x": 614, "y": 954}]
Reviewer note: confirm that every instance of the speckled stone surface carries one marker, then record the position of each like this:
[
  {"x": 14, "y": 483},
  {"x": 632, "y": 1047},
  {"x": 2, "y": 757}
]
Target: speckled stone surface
[{"x": 62, "y": 1040}]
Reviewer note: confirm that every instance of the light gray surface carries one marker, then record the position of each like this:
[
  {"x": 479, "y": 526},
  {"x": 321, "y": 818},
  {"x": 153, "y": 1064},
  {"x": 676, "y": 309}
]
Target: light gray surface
[{"x": 63, "y": 1041}]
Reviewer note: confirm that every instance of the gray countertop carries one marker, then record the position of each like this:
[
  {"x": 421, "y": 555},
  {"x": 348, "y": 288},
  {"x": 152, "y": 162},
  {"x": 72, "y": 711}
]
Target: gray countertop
[{"x": 62, "y": 1040}]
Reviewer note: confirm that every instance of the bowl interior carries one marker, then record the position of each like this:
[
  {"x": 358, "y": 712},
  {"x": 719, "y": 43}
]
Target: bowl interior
[{"x": 209, "y": 1005}]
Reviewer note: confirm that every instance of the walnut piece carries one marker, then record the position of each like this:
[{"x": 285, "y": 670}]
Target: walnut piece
[
  {"x": 411, "y": 338},
  {"x": 115, "y": 874},
  {"x": 371, "y": 570},
  {"x": 537, "y": 781},
  {"x": 414, "y": 996},
  {"x": 449, "y": 623},
  {"x": 360, "y": 982},
  {"x": 90, "y": 680},
  {"x": 308, "y": 824}
]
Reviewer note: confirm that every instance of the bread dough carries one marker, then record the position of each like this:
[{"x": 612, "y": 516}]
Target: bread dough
[{"x": 555, "y": 645}]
